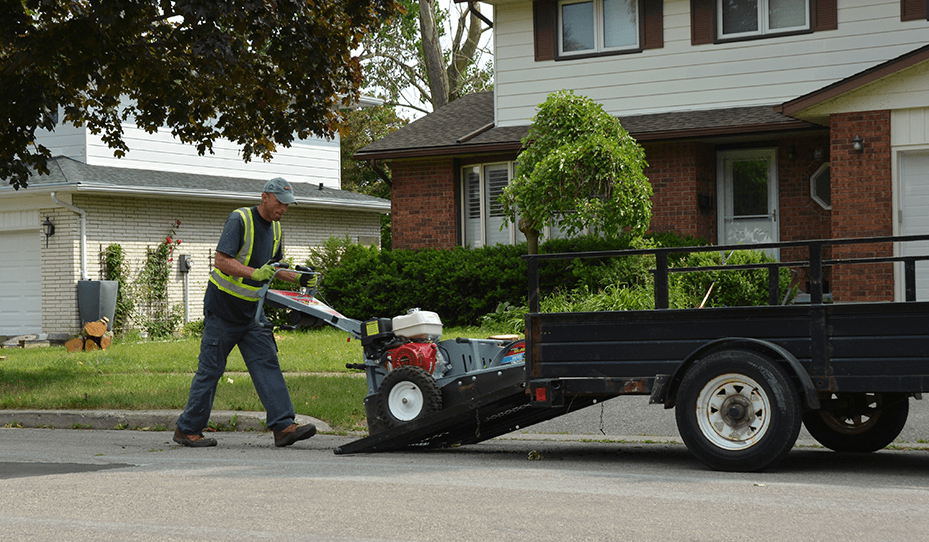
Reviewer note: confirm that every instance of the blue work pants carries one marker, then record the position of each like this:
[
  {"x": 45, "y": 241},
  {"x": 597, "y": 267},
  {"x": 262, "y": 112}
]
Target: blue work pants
[{"x": 258, "y": 349}]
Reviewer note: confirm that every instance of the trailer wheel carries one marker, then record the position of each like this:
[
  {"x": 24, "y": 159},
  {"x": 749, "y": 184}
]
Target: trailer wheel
[
  {"x": 738, "y": 411},
  {"x": 407, "y": 394},
  {"x": 866, "y": 422}
]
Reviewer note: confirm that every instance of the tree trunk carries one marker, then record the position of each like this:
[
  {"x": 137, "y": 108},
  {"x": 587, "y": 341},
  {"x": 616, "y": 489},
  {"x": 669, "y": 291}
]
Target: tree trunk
[
  {"x": 532, "y": 236},
  {"x": 74, "y": 345},
  {"x": 94, "y": 336},
  {"x": 432, "y": 51},
  {"x": 463, "y": 50},
  {"x": 96, "y": 329}
]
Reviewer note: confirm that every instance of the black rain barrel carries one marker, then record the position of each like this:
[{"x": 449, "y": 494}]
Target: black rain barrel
[{"x": 96, "y": 299}]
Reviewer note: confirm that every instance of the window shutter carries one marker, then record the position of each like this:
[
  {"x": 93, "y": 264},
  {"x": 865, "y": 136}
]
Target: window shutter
[
  {"x": 544, "y": 14},
  {"x": 825, "y": 15},
  {"x": 913, "y": 10},
  {"x": 702, "y": 24},
  {"x": 653, "y": 24}
]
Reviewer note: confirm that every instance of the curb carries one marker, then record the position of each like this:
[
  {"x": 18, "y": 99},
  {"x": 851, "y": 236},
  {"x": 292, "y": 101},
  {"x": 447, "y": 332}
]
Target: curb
[{"x": 144, "y": 420}]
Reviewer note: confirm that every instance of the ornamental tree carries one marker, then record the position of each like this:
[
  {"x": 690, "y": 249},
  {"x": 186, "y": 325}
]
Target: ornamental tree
[
  {"x": 256, "y": 72},
  {"x": 579, "y": 168}
]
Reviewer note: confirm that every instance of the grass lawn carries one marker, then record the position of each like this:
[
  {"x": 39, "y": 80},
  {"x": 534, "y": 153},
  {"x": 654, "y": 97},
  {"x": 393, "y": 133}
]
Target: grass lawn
[{"x": 156, "y": 375}]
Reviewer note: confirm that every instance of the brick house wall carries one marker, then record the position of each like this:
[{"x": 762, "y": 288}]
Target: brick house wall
[
  {"x": 679, "y": 172},
  {"x": 800, "y": 216},
  {"x": 423, "y": 210},
  {"x": 862, "y": 203},
  {"x": 424, "y": 203},
  {"x": 138, "y": 223}
]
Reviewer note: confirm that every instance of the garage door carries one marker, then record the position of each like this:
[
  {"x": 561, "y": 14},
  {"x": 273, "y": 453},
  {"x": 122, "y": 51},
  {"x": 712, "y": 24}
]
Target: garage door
[
  {"x": 20, "y": 283},
  {"x": 914, "y": 204}
]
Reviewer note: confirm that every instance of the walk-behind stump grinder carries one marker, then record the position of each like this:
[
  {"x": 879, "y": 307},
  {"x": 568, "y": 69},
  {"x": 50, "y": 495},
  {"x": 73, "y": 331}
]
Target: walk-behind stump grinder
[{"x": 423, "y": 391}]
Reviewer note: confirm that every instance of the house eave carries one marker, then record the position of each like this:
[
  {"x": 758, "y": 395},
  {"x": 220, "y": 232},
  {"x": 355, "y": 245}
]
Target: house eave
[
  {"x": 205, "y": 195},
  {"x": 652, "y": 136},
  {"x": 189, "y": 195},
  {"x": 450, "y": 151},
  {"x": 796, "y": 106},
  {"x": 728, "y": 131}
]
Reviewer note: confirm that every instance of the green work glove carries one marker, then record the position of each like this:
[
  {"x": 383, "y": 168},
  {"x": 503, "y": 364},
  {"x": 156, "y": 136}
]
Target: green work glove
[
  {"x": 308, "y": 281},
  {"x": 264, "y": 273}
]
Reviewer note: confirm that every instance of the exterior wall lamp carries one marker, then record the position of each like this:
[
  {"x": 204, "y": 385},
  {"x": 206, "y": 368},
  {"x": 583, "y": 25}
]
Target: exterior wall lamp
[
  {"x": 49, "y": 228},
  {"x": 858, "y": 144}
]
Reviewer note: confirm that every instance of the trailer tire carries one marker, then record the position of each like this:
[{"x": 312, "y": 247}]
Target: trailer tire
[
  {"x": 872, "y": 422},
  {"x": 407, "y": 394},
  {"x": 737, "y": 410}
]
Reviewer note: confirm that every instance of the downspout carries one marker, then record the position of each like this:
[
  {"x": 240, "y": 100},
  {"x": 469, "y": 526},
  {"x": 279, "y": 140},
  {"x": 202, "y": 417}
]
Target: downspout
[{"x": 83, "y": 234}]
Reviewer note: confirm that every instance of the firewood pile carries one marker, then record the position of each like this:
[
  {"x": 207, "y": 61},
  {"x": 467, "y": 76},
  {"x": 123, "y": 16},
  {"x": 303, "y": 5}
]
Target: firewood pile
[{"x": 94, "y": 336}]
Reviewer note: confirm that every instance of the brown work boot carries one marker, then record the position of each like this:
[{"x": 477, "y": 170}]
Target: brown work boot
[
  {"x": 194, "y": 441},
  {"x": 286, "y": 437}
]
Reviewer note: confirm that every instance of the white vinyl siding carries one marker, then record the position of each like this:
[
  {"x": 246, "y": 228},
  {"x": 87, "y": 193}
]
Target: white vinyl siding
[
  {"x": 681, "y": 77},
  {"x": 313, "y": 160}
]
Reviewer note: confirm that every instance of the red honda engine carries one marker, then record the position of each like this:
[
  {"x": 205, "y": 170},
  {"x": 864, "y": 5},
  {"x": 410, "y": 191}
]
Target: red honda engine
[{"x": 422, "y": 355}]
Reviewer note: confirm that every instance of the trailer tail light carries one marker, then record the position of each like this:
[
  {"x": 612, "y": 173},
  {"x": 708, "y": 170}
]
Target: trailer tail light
[{"x": 540, "y": 395}]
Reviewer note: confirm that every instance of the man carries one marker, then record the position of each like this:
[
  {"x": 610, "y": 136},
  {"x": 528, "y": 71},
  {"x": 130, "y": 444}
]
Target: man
[{"x": 250, "y": 241}]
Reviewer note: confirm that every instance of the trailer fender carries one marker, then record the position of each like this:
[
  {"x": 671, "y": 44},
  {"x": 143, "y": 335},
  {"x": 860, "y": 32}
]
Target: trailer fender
[{"x": 777, "y": 352}]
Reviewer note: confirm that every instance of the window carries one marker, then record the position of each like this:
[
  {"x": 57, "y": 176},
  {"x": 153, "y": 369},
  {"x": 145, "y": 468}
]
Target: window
[
  {"x": 482, "y": 212},
  {"x": 821, "y": 187},
  {"x": 738, "y": 18},
  {"x": 594, "y": 26},
  {"x": 565, "y": 29},
  {"x": 721, "y": 20}
]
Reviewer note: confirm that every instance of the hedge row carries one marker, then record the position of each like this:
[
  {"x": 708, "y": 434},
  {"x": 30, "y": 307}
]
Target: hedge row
[{"x": 459, "y": 284}]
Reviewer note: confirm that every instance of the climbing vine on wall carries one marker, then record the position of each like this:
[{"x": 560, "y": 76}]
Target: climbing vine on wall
[
  {"x": 116, "y": 268},
  {"x": 157, "y": 316}
]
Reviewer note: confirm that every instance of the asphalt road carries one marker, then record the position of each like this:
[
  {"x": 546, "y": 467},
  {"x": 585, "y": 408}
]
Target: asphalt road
[
  {"x": 83, "y": 485},
  {"x": 610, "y": 472}
]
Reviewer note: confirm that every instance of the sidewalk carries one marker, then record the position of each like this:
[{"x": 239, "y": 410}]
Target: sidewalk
[
  {"x": 228, "y": 420},
  {"x": 145, "y": 420}
]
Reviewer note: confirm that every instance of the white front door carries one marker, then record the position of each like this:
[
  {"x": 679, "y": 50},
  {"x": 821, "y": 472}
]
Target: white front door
[
  {"x": 914, "y": 215},
  {"x": 747, "y": 195}
]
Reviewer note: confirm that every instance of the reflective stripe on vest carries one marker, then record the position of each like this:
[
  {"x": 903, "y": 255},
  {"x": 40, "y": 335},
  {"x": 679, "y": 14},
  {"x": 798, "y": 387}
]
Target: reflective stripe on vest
[{"x": 236, "y": 286}]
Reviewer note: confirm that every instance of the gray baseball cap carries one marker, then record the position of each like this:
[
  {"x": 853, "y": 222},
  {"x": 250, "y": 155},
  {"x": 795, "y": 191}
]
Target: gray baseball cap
[{"x": 282, "y": 189}]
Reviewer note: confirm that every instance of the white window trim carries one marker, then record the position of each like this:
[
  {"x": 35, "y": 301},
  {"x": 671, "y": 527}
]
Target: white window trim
[
  {"x": 813, "y": 194},
  {"x": 598, "y": 23},
  {"x": 483, "y": 198},
  {"x": 763, "y": 22},
  {"x": 514, "y": 236}
]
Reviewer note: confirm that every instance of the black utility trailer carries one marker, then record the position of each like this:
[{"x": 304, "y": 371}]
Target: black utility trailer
[{"x": 742, "y": 379}]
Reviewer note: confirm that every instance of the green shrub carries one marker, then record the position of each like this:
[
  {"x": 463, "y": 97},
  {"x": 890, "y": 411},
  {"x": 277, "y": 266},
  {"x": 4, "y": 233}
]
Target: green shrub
[
  {"x": 194, "y": 328},
  {"x": 627, "y": 284},
  {"x": 462, "y": 285},
  {"x": 458, "y": 284},
  {"x": 739, "y": 288},
  {"x": 327, "y": 256}
]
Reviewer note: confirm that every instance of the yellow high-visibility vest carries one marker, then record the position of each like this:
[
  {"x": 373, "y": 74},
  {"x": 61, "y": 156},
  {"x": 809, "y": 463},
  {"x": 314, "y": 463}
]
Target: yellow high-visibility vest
[{"x": 236, "y": 286}]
